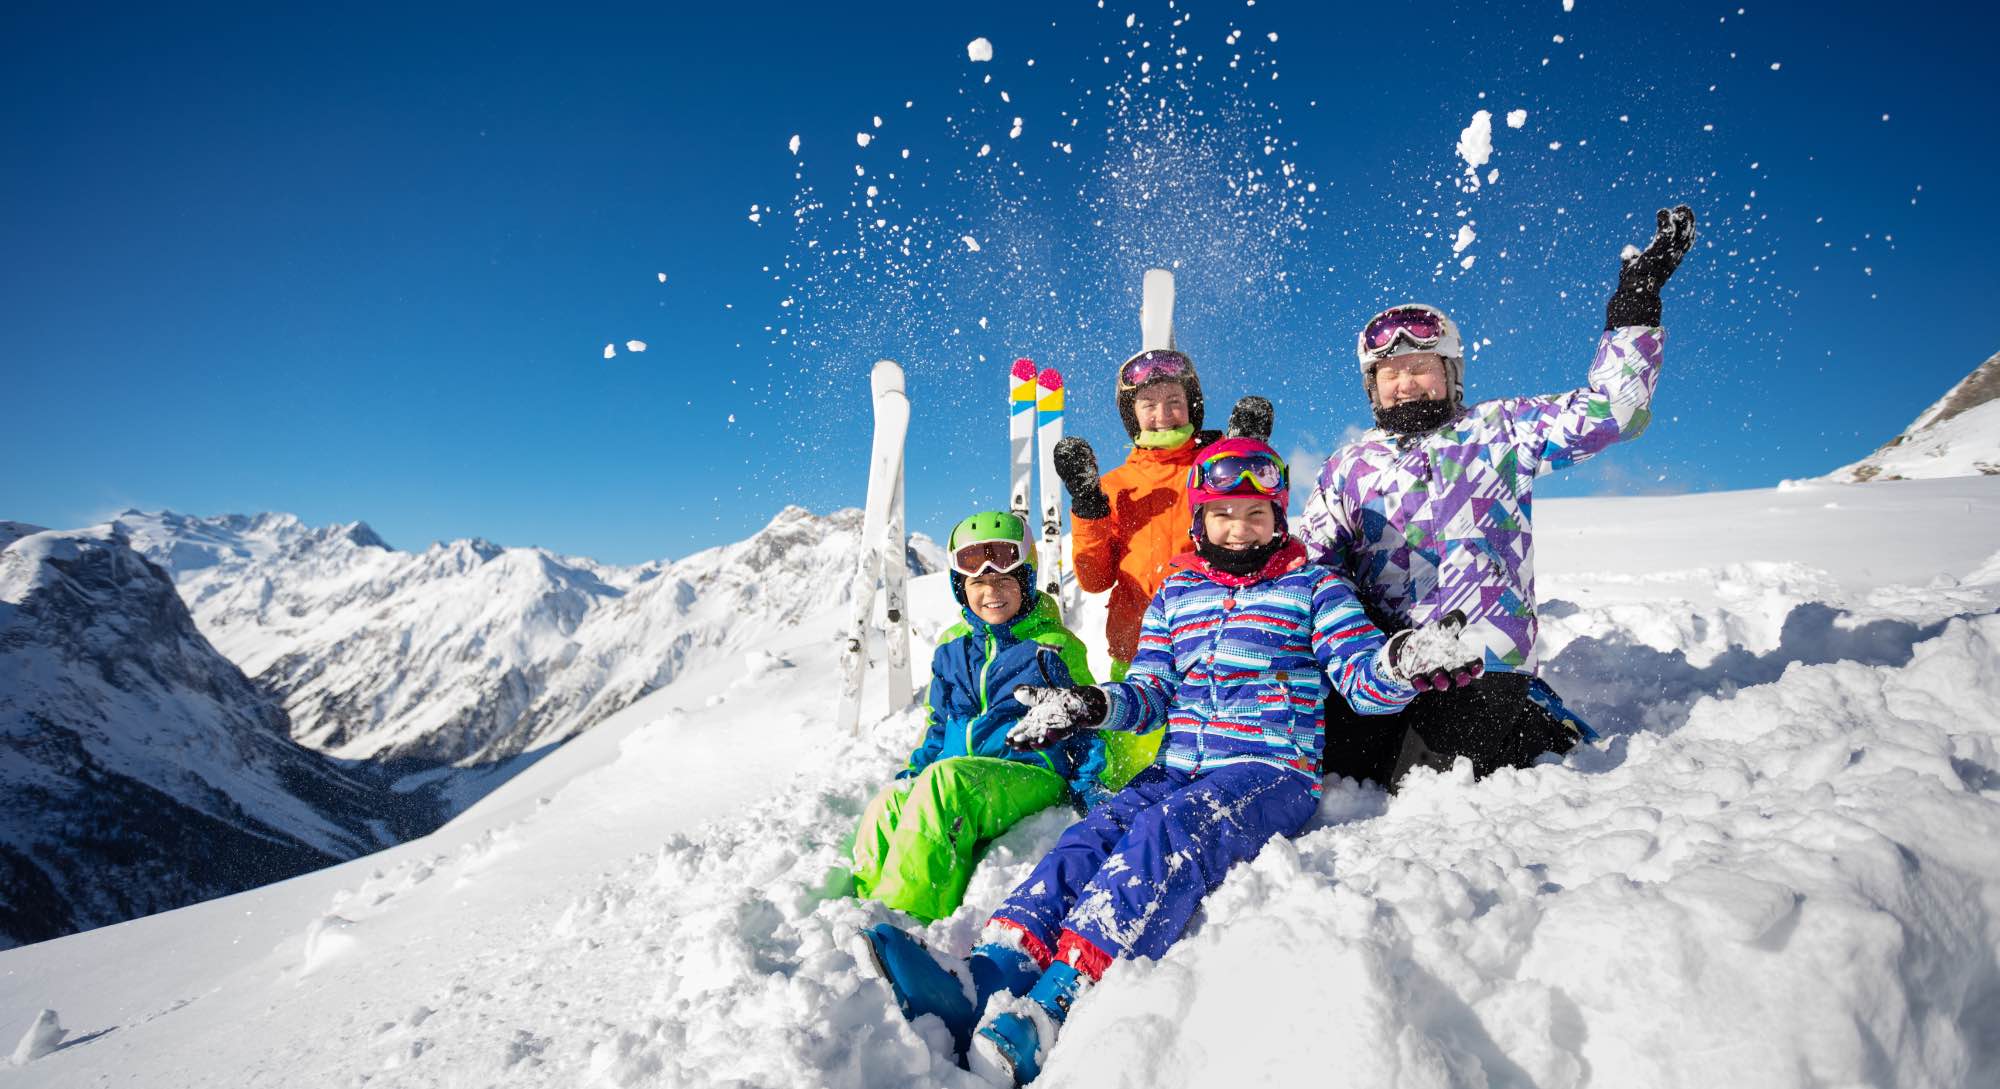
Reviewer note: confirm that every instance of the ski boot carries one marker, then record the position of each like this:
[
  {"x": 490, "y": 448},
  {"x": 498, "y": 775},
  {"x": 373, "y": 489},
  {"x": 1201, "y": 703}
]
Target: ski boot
[
  {"x": 921, "y": 985},
  {"x": 1014, "y": 1040}
]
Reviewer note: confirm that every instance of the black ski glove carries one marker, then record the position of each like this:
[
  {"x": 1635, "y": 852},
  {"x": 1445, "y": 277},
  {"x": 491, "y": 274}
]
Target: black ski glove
[
  {"x": 1637, "y": 300},
  {"x": 1076, "y": 465},
  {"x": 1056, "y": 714},
  {"x": 1251, "y": 418},
  {"x": 1434, "y": 655}
]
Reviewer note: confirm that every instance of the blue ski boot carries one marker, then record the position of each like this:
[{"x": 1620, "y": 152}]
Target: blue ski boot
[
  {"x": 921, "y": 985},
  {"x": 1013, "y": 1041}
]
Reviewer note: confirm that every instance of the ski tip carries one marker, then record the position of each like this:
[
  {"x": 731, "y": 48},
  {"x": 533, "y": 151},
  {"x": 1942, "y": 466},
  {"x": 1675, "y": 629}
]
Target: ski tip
[
  {"x": 1051, "y": 378},
  {"x": 1024, "y": 369}
]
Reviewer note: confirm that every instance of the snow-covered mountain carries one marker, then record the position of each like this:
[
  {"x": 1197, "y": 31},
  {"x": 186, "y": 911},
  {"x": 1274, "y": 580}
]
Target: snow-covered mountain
[
  {"x": 1957, "y": 436},
  {"x": 470, "y": 654},
  {"x": 1780, "y": 868},
  {"x": 139, "y": 769}
]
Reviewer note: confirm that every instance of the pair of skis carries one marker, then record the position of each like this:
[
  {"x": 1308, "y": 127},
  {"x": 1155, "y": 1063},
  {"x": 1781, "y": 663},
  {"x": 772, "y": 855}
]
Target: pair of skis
[
  {"x": 1035, "y": 420},
  {"x": 884, "y": 558}
]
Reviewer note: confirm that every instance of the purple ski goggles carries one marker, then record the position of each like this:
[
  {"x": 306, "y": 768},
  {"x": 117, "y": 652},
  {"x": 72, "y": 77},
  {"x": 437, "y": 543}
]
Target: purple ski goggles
[
  {"x": 1149, "y": 367},
  {"x": 1422, "y": 328}
]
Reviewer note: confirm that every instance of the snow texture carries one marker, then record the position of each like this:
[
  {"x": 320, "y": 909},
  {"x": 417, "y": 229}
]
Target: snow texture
[
  {"x": 1516, "y": 118},
  {"x": 979, "y": 50},
  {"x": 1781, "y": 867},
  {"x": 44, "y": 1035}
]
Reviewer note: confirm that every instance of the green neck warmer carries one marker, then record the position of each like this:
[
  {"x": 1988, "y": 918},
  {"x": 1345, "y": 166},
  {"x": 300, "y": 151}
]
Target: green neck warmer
[{"x": 1164, "y": 440}]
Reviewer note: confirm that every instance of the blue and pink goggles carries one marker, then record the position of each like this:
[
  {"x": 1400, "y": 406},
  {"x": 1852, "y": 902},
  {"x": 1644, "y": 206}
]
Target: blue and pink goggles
[{"x": 1157, "y": 365}]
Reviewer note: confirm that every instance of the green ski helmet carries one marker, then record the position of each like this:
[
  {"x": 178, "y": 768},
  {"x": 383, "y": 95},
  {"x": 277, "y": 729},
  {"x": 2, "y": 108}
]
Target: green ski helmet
[{"x": 993, "y": 540}]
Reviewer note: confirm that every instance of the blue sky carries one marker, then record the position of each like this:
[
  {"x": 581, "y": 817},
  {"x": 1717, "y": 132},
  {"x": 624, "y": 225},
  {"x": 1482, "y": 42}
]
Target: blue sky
[{"x": 363, "y": 264}]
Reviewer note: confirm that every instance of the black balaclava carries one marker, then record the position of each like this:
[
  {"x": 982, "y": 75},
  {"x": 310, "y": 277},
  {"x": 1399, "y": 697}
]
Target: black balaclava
[{"x": 1416, "y": 417}]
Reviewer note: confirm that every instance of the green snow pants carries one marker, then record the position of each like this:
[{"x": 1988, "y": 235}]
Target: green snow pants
[
  {"x": 1127, "y": 754},
  {"x": 920, "y": 838}
]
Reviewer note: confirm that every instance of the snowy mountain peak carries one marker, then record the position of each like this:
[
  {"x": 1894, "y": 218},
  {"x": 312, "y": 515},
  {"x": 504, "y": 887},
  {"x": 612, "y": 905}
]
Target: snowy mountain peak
[
  {"x": 470, "y": 653},
  {"x": 1959, "y": 435},
  {"x": 118, "y": 717}
]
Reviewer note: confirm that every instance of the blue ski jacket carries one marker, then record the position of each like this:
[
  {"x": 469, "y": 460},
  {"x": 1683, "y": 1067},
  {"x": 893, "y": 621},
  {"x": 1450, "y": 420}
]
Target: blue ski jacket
[{"x": 972, "y": 705}]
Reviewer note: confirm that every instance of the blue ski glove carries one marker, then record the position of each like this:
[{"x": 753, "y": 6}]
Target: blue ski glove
[{"x": 1091, "y": 795}]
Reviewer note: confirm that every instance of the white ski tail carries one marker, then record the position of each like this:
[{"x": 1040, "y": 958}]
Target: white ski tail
[
  {"x": 1048, "y": 432},
  {"x": 1156, "y": 310},
  {"x": 883, "y": 555},
  {"x": 1021, "y": 432}
]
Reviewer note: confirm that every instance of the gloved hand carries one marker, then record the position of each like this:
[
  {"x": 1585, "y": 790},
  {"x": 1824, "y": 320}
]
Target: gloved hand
[
  {"x": 1056, "y": 714},
  {"x": 1637, "y": 300},
  {"x": 1251, "y": 418},
  {"x": 1076, "y": 465},
  {"x": 1091, "y": 795},
  {"x": 1436, "y": 655}
]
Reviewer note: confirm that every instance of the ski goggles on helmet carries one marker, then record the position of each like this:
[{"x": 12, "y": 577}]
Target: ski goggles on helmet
[
  {"x": 1226, "y": 474},
  {"x": 980, "y": 557},
  {"x": 1153, "y": 366},
  {"x": 1420, "y": 327}
]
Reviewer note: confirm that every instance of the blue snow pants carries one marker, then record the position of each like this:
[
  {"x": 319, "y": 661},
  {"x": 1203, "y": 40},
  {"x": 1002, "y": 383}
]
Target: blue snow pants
[{"x": 1128, "y": 877}]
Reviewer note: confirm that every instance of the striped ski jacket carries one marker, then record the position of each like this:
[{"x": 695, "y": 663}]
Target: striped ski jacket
[
  {"x": 1235, "y": 667},
  {"x": 972, "y": 706},
  {"x": 1431, "y": 523}
]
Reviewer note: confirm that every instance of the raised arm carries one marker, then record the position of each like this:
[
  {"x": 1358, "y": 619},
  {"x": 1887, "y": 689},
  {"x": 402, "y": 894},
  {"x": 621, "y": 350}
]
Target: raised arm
[{"x": 1616, "y": 403}]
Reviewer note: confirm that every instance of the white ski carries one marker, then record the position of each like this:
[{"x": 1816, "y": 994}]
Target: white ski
[
  {"x": 1048, "y": 432},
  {"x": 1021, "y": 432},
  {"x": 882, "y": 556},
  {"x": 1156, "y": 310}
]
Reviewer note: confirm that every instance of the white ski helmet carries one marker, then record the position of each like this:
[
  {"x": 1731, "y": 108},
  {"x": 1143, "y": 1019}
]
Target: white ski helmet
[{"x": 1410, "y": 329}]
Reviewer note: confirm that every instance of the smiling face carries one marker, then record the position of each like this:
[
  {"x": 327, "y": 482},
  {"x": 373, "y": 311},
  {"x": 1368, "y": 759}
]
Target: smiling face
[
  {"x": 1162, "y": 406},
  {"x": 993, "y": 597},
  {"x": 1239, "y": 523},
  {"x": 1419, "y": 376}
]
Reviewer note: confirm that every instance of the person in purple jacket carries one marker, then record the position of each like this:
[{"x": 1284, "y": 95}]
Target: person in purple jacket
[
  {"x": 1429, "y": 514},
  {"x": 1234, "y": 655}
]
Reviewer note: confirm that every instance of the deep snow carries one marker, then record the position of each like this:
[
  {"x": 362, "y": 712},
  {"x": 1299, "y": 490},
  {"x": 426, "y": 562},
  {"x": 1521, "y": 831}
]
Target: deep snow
[{"x": 1771, "y": 873}]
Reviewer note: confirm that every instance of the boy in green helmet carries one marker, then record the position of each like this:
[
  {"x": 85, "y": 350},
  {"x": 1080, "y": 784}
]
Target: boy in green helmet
[{"x": 921, "y": 836}]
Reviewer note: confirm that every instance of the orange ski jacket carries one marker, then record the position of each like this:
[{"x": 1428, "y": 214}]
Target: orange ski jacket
[{"x": 1130, "y": 551}]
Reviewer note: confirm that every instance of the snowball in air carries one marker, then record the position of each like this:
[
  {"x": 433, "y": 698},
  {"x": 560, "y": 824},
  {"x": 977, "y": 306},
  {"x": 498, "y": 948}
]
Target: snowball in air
[
  {"x": 663, "y": 277},
  {"x": 971, "y": 243},
  {"x": 1475, "y": 142},
  {"x": 979, "y": 49},
  {"x": 635, "y": 345},
  {"x": 863, "y": 138},
  {"x": 1516, "y": 118},
  {"x": 794, "y": 145},
  {"x": 610, "y": 350}
]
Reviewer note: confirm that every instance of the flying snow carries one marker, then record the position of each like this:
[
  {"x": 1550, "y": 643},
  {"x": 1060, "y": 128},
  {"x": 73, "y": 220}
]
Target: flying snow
[
  {"x": 610, "y": 350},
  {"x": 1516, "y": 118},
  {"x": 978, "y": 50},
  {"x": 635, "y": 345},
  {"x": 794, "y": 145}
]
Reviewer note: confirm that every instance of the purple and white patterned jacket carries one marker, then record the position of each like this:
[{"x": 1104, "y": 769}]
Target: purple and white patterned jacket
[{"x": 1430, "y": 523}]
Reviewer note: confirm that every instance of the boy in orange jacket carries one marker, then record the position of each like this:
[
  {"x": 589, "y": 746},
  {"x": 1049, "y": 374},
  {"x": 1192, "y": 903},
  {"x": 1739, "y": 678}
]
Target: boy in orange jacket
[{"x": 1129, "y": 524}]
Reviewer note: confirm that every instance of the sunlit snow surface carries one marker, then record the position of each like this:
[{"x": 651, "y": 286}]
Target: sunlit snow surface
[{"x": 1782, "y": 868}]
